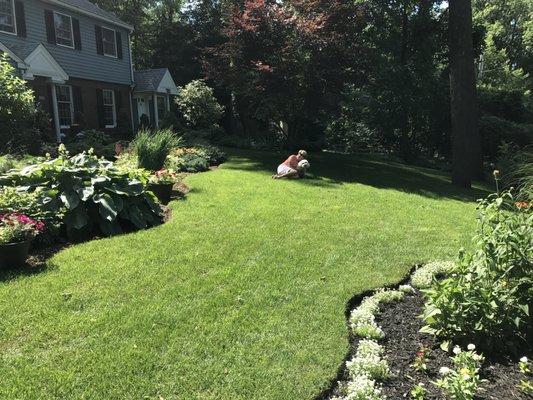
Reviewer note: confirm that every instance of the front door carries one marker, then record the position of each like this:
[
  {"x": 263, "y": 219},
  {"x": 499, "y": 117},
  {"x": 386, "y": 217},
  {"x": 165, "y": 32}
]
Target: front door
[{"x": 142, "y": 108}]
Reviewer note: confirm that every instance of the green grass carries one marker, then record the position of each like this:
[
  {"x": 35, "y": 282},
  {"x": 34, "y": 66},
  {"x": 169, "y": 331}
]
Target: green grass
[{"x": 241, "y": 296}]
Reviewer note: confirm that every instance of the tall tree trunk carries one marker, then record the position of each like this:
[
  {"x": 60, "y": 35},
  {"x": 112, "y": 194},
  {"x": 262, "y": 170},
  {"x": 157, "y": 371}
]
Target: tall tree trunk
[{"x": 466, "y": 143}]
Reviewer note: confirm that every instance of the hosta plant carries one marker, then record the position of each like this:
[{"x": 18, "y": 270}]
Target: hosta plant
[
  {"x": 488, "y": 298},
  {"x": 93, "y": 194}
]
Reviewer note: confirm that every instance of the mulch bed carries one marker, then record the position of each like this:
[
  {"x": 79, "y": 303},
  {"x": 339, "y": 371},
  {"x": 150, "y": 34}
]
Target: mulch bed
[{"x": 401, "y": 325}]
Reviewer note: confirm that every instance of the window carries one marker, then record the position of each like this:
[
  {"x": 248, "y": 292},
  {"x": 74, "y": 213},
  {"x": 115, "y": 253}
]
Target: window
[
  {"x": 161, "y": 106},
  {"x": 109, "y": 42},
  {"x": 7, "y": 16},
  {"x": 110, "y": 114},
  {"x": 65, "y": 106},
  {"x": 63, "y": 27}
]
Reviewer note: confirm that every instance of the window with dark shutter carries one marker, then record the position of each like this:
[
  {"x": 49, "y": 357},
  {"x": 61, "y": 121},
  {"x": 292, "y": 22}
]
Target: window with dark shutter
[
  {"x": 20, "y": 17},
  {"x": 118, "y": 100},
  {"x": 98, "y": 37},
  {"x": 77, "y": 33},
  {"x": 50, "y": 27}
]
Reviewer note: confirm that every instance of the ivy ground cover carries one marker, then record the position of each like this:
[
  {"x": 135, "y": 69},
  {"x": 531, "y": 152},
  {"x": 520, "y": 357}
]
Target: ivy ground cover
[{"x": 242, "y": 295}]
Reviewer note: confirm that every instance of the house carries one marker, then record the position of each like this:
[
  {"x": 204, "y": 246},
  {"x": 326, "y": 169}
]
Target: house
[{"x": 77, "y": 59}]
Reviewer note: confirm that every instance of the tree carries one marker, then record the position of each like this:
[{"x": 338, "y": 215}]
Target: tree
[{"x": 466, "y": 144}]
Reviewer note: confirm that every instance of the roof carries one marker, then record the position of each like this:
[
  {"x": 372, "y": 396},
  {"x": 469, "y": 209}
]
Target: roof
[
  {"x": 86, "y": 7},
  {"x": 148, "y": 80}
]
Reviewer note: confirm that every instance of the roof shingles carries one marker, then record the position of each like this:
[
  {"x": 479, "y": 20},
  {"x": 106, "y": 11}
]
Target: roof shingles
[{"x": 149, "y": 80}]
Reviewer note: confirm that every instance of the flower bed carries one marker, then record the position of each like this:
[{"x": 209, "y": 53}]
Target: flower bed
[{"x": 407, "y": 363}]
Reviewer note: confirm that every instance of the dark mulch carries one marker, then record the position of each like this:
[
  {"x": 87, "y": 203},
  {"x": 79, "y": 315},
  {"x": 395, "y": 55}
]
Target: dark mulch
[{"x": 401, "y": 325}]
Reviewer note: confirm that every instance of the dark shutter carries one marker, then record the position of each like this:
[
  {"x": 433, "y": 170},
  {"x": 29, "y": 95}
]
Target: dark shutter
[
  {"x": 119, "y": 45},
  {"x": 77, "y": 33},
  {"x": 21, "y": 18},
  {"x": 50, "y": 27},
  {"x": 51, "y": 108},
  {"x": 78, "y": 99},
  {"x": 99, "y": 42},
  {"x": 100, "y": 107},
  {"x": 118, "y": 101}
]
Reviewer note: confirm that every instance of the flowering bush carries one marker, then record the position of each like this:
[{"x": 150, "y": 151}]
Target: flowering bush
[
  {"x": 164, "y": 176},
  {"x": 489, "y": 297},
  {"x": 418, "y": 392},
  {"x": 17, "y": 228},
  {"x": 462, "y": 383}
]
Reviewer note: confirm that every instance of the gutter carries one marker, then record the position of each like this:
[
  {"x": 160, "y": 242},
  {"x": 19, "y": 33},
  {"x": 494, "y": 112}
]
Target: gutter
[{"x": 90, "y": 14}]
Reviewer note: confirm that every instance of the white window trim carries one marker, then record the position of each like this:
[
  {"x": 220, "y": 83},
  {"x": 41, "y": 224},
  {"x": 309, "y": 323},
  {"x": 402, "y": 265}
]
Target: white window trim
[
  {"x": 71, "y": 30},
  {"x": 15, "y": 33},
  {"x": 114, "y": 107},
  {"x": 116, "y": 45},
  {"x": 71, "y": 103}
]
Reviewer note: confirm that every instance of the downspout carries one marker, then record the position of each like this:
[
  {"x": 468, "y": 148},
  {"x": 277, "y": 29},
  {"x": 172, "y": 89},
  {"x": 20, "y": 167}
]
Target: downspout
[{"x": 132, "y": 86}]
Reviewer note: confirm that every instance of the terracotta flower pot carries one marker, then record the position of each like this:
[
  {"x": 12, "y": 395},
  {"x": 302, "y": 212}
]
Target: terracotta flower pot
[
  {"x": 14, "y": 254},
  {"x": 163, "y": 191}
]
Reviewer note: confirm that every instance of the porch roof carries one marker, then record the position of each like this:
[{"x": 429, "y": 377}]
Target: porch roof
[{"x": 154, "y": 81}]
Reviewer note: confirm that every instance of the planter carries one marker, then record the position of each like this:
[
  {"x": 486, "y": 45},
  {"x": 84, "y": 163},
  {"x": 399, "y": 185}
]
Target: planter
[
  {"x": 163, "y": 191},
  {"x": 14, "y": 254}
]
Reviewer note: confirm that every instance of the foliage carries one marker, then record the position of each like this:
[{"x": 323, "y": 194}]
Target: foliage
[
  {"x": 171, "y": 121},
  {"x": 495, "y": 131},
  {"x": 153, "y": 147},
  {"x": 198, "y": 105},
  {"x": 95, "y": 195},
  {"x": 164, "y": 176},
  {"x": 102, "y": 144},
  {"x": 463, "y": 382},
  {"x": 418, "y": 392},
  {"x": 489, "y": 297},
  {"x": 424, "y": 276},
  {"x": 195, "y": 159},
  {"x": 516, "y": 169},
  {"x": 421, "y": 358},
  {"x": 18, "y": 115},
  {"x": 16, "y": 228}
]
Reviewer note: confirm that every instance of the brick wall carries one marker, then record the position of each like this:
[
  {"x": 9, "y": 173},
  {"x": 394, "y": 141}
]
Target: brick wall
[{"x": 86, "y": 105}]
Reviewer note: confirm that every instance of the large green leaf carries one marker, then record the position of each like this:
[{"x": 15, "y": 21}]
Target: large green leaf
[
  {"x": 107, "y": 207},
  {"x": 77, "y": 218},
  {"x": 70, "y": 199},
  {"x": 85, "y": 192}
]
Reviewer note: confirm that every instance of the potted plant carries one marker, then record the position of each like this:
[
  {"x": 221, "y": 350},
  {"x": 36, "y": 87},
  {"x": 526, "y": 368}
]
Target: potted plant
[
  {"x": 16, "y": 234},
  {"x": 161, "y": 184}
]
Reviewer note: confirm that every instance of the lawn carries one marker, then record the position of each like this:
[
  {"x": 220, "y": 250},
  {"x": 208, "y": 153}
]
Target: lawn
[{"x": 242, "y": 295}]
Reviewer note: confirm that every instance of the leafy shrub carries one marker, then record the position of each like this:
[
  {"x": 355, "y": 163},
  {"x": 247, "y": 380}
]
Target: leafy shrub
[
  {"x": 17, "y": 228},
  {"x": 152, "y": 148},
  {"x": 95, "y": 195},
  {"x": 19, "y": 118},
  {"x": 488, "y": 298},
  {"x": 198, "y": 105},
  {"x": 189, "y": 162},
  {"x": 171, "y": 121}
]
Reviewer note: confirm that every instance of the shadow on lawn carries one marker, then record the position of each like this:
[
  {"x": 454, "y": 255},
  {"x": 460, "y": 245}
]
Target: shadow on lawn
[
  {"x": 331, "y": 170},
  {"x": 38, "y": 262}
]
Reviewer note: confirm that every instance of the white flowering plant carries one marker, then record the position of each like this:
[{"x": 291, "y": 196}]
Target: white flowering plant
[
  {"x": 369, "y": 361},
  {"x": 462, "y": 383},
  {"x": 362, "y": 387},
  {"x": 424, "y": 276}
]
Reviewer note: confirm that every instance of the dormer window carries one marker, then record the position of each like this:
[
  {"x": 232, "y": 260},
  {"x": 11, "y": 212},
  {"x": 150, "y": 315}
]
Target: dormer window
[
  {"x": 7, "y": 16},
  {"x": 63, "y": 28},
  {"x": 109, "y": 42}
]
